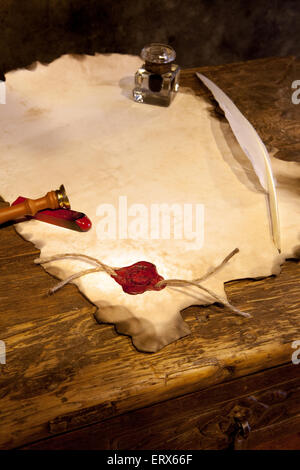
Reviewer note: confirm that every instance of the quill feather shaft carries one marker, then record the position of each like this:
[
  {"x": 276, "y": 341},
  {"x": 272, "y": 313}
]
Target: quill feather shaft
[{"x": 254, "y": 149}]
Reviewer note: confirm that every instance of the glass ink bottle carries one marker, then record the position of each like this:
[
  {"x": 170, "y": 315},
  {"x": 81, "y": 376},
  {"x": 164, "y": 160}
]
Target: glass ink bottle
[{"x": 157, "y": 81}]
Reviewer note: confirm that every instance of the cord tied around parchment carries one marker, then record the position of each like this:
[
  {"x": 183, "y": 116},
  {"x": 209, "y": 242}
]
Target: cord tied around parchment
[{"x": 140, "y": 277}]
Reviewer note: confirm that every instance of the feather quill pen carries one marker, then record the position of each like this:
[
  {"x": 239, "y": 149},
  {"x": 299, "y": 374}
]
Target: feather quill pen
[{"x": 254, "y": 149}]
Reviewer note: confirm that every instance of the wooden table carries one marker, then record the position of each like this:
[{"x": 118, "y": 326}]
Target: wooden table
[{"x": 71, "y": 383}]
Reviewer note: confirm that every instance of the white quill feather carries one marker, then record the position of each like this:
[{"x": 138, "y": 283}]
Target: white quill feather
[{"x": 254, "y": 149}]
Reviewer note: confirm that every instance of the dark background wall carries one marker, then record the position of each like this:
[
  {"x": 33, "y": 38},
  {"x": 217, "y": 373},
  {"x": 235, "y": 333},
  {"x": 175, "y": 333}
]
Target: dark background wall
[{"x": 202, "y": 32}]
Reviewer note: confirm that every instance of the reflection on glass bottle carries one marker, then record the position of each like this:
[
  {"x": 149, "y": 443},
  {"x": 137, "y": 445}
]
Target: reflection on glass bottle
[{"x": 157, "y": 81}]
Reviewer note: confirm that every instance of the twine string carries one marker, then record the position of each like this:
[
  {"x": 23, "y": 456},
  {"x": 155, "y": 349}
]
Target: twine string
[
  {"x": 79, "y": 257},
  {"x": 217, "y": 268},
  {"x": 165, "y": 282},
  {"x": 183, "y": 282},
  {"x": 72, "y": 278}
]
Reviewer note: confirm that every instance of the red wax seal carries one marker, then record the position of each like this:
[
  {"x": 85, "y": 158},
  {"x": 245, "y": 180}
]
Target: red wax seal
[{"x": 138, "y": 278}]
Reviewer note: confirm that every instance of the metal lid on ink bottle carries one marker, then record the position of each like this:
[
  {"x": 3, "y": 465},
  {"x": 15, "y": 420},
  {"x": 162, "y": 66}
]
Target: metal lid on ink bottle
[{"x": 158, "y": 57}]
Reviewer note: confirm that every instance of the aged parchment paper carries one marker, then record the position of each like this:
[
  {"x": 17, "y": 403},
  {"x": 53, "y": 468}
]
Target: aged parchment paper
[{"x": 73, "y": 122}]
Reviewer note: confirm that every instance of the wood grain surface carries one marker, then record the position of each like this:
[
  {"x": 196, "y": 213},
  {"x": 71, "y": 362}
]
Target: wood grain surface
[
  {"x": 200, "y": 420},
  {"x": 64, "y": 371},
  {"x": 262, "y": 90}
]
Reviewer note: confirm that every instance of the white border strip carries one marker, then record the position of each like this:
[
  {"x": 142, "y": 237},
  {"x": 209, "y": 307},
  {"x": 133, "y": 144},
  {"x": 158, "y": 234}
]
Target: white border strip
[{"x": 2, "y": 92}]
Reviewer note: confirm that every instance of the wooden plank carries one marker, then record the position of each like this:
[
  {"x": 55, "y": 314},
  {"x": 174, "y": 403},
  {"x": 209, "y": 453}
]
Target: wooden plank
[
  {"x": 11, "y": 244},
  {"x": 194, "y": 421},
  {"x": 24, "y": 295},
  {"x": 284, "y": 440},
  {"x": 262, "y": 89},
  {"x": 65, "y": 371}
]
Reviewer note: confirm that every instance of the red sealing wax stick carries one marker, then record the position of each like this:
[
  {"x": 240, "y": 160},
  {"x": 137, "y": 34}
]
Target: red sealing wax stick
[
  {"x": 138, "y": 278},
  {"x": 66, "y": 218}
]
